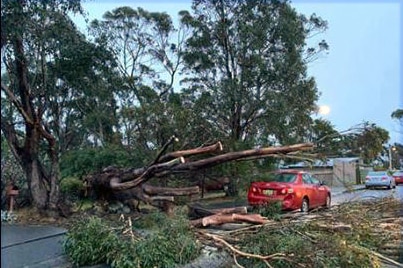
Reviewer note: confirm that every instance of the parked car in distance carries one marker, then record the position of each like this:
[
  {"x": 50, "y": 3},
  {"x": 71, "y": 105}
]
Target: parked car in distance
[
  {"x": 379, "y": 179},
  {"x": 398, "y": 176},
  {"x": 295, "y": 189}
]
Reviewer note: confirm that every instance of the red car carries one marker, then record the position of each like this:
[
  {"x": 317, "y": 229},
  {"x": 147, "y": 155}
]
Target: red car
[
  {"x": 293, "y": 188},
  {"x": 398, "y": 175}
]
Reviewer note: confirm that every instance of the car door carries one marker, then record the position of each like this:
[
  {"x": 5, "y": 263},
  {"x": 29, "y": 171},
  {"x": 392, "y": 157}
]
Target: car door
[
  {"x": 320, "y": 192},
  {"x": 309, "y": 189}
]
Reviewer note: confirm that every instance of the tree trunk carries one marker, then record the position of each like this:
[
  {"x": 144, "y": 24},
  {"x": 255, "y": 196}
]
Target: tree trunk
[
  {"x": 219, "y": 219},
  {"x": 36, "y": 185},
  {"x": 132, "y": 183},
  {"x": 42, "y": 184},
  {"x": 197, "y": 211}
]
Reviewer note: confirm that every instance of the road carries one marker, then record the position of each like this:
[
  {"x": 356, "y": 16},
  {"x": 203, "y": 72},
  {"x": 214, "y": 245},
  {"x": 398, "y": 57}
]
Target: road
[
  {"x": 369, "y": 194},
  {"x": 20, "y": 244}
]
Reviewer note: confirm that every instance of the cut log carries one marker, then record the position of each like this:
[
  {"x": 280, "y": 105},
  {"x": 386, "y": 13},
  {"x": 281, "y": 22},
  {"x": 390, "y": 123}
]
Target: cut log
[
  {"x": 218, "y": 219},
  {"x": 217, "y": 147},
  {"x": 198, "y": 211}
]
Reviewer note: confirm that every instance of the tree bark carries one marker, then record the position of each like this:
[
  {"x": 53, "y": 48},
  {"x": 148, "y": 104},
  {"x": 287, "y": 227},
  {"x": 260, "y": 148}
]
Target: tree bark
[
  {"x": 42, "y": 184},
  {"x": 132, "y": 183},
  {"x": 219, "y": 219},
  {"x": 198, "y": 211}
]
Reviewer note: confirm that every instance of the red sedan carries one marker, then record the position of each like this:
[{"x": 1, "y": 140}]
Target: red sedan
[
  {"x": 398, "y": 176},
  {"x": 293, "y": 188}
]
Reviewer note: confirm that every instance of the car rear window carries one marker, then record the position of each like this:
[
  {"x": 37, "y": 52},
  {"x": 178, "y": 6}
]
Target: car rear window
[
  {"x": 284, "y": 177},
  {"x": 398, "y": 173},
  {"x": 377, "y": 173}
]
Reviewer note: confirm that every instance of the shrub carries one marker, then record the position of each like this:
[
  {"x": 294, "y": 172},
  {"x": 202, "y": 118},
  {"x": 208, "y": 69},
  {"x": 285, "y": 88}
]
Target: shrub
[
  {"x": 89, "y": 241},
  {"x": 271, "y": 210},
  {"x": 171, "y": 242},
  {"x": 71, "y": 187}
]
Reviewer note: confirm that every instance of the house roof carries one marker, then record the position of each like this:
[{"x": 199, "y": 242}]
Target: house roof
[{"x": 320, "y": 163}]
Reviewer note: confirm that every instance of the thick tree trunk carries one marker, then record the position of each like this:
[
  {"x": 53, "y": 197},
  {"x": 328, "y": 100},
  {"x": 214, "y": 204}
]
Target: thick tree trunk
[
  {"x": 132, "y": 183},
  {"x": 43, "y": 184},
  {"x": 36, "y": 185}
]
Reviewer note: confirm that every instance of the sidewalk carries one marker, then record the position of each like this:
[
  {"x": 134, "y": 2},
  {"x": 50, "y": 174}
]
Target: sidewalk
[{"x": 338, "y": 190}]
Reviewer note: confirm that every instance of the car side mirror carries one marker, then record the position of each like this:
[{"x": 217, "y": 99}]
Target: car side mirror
[{"x": 322, "y": 183}]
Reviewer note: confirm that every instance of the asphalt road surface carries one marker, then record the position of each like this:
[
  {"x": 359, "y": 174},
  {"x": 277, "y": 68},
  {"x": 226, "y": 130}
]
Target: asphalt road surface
[
  {"x": 31, "y": 246},
  {"x": 369, "y": 194}
]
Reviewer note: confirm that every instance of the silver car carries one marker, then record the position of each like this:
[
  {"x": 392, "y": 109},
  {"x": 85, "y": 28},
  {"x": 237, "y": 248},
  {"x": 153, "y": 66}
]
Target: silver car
[{"x": 379, "y": 179}]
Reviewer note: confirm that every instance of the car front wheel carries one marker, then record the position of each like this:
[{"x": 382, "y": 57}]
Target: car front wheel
[{"x": 305, "y": 205}]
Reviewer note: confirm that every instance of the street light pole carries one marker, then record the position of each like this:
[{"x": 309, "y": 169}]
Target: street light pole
[{"x": 391, "y": 148}]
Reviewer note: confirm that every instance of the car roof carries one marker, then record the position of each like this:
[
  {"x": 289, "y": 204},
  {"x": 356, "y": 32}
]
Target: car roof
[{"x": 294, "y": 171}]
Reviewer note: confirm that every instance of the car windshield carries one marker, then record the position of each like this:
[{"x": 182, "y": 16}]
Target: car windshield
[
  {"x": 284, "y": 177},
  {"x": 398, "y": 173},
  {"x": 377, "y": 173}
]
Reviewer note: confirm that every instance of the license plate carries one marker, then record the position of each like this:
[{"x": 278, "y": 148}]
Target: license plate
[{"x": 268, "y": 192}]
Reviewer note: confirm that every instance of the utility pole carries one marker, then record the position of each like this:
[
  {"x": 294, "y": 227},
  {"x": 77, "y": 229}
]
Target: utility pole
[{"x": 391, "y": 148}]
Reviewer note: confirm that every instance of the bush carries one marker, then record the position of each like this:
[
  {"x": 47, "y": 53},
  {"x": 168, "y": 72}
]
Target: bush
[
  {"x": 89, "y": 242},
  {"x": 170, "y": 243},
  {"x": 271, "y": 210},
  {"x": 72, "y": 187}
]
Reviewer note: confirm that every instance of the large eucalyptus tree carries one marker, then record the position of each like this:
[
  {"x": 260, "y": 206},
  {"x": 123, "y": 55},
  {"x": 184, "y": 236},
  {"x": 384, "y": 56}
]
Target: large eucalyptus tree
[
  {"x": 53, "y": 84},
  {"x": 246, "y": 68},
  {"x": 148, "y": 49}
]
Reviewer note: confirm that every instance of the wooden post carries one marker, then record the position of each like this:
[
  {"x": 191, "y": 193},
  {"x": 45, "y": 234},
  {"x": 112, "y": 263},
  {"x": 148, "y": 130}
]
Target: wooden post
[{"x": 11, "y": 193}]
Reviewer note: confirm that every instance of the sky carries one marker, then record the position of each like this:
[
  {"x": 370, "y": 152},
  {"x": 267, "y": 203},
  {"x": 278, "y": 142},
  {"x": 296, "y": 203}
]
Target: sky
[{"x": 359, "y": 79}]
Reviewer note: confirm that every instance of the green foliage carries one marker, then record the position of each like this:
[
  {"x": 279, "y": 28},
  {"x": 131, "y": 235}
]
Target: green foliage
[
  {"x": 11, "y": 170},
  {"x": 267, "y": 242},
  {"x": 326, "y": 250},
  {"x": 152, "y": 220},
  {"x": 84, "y": 161},
  {"x": 72, "y": 187},
  {"x": 271, "y": 211},
  {"x": 398, "y": 114},
  {"x": 170, "y": 242},
  {"x": 246, "y": 69},
  {"x": 89, "y": 242},
  {"x": 317, "y": 244},
  {"x": 365, "y": 140},
  {"x": 325, "y": 137}
]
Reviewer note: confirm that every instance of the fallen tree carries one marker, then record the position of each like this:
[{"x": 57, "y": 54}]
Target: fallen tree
[{"x": 131, "y": 183}]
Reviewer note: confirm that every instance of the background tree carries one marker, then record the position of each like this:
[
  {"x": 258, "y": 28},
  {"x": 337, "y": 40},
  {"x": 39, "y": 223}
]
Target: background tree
[
  {"x": 51, "y": 71},
  {"x": 325, "y": 137},
  {"x": 148, "y": 50},
  {"x": 246, "y": 69},
  {"x": 365, "y": 140},
  {"x": 398, "y": 115}
]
